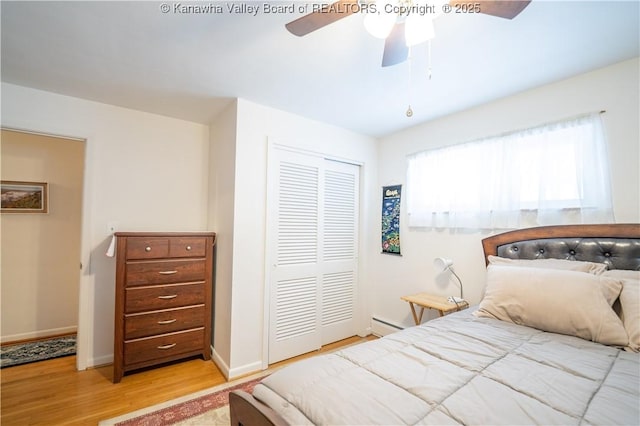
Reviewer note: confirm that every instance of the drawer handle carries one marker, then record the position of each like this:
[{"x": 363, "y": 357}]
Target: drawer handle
[
  {"x": 188, "y": 248},
  {"x": 164, "y": 347},
  {"x": 167, "y": 272},
  {"x": 167, "y": 321},
  {"x": 147, "y": 249},
  {"x": 170, "y": 296}
]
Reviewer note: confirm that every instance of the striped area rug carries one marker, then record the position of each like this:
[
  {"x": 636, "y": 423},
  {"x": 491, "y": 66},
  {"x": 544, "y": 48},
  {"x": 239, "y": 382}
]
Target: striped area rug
[{"x": 40, "y": 350}]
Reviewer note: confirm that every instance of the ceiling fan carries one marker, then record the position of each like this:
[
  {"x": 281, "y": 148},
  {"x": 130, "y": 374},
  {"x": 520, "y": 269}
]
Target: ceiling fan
[{"x": 402, "y": 23}]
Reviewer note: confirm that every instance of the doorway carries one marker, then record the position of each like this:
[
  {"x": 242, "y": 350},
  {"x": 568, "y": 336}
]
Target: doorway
[{"x": 41, "y": 252}]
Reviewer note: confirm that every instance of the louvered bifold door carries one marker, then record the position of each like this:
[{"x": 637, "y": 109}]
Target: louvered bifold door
[
  {"x": 294, "y": 249},
  {"x": 339, "y": 250},
  {"x": 312, "y": 246}
]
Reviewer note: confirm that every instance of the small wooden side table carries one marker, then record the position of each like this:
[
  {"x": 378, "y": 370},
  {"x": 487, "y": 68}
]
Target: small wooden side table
[{"x": 430, "y": 301}]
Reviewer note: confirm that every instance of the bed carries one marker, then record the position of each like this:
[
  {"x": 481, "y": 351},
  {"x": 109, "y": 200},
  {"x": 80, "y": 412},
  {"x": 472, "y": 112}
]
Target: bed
[{"x": 554, "y": 340}]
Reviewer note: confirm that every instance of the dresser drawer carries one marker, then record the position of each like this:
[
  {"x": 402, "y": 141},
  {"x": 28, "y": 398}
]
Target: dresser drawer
[
  {"x": 140, "y": 248},
  {"x": 188, "y": 247},
  {"x": 155, "y": 298},
  {"x": 147, "y": 248},
  {"x": 165, "y": 346},
  {"x": 175, "y": 271},
  {"x": 161, "y": 322}
]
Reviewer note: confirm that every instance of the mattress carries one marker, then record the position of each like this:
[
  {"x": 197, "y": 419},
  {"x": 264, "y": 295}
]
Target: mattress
[{"x": 461, "y": 369}]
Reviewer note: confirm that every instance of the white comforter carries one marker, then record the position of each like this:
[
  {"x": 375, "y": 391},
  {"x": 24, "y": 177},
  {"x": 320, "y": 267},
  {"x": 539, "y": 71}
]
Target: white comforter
[{"x": 461, "y": 370}]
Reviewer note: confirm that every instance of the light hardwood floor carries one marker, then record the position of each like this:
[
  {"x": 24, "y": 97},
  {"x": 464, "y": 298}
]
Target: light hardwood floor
[{"x": 53, "y": 393}]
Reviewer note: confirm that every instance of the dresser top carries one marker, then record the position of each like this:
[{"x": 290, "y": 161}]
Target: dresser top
[{"x": 165, "y": 234}]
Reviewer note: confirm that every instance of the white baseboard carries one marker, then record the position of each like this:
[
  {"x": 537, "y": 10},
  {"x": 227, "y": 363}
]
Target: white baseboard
[
  {"x": 381, "y": 327},
  {"x": 245, "y": 369},
  {"x": 99, "y": 361},
  {"x": 38, "y": 334},
  {"x": 224, "y": 368},
  {"x": 367, "y": 331},
  {"x": 233, "y": 373}
]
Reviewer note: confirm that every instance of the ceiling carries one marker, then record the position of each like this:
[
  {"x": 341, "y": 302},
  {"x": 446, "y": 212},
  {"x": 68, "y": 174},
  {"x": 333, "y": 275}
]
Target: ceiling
[{"x": 190, "y": 66}]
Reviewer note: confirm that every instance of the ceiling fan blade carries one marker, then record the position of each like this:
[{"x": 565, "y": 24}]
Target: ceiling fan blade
[
  {"x": 395, "y": 47},
  {"x": 327, "y": 15},
  {"x": 507, "y": 9}
]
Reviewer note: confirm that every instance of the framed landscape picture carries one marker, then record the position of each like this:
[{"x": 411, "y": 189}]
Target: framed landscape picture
[{"x": 24, "y": 197}]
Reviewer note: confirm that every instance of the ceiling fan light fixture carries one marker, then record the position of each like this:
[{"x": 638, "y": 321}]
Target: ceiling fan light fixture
[
  {"x": 418, "y": 29},
  {"x": 381, "y": 23}
]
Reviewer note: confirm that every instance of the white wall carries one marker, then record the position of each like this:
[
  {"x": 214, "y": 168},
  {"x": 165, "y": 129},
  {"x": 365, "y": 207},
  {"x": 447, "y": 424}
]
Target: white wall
[
  {"x": 614, "y": 89},
  {"x": 143, "y": 171},
  {"x": 222, "y": 172},
  {"x": 256, "y": 125}
]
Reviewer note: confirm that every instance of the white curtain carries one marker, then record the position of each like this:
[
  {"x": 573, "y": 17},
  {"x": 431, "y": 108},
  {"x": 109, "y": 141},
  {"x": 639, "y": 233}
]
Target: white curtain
[{"x": 553, "y": 174}]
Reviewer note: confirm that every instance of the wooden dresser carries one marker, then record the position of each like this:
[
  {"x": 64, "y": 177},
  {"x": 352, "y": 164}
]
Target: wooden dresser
[{"x": 163, "y": 298}]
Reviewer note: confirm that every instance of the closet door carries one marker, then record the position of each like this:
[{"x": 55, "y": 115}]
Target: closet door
[
  {"x": 340, "y": 210},
  {"x": 312, "y": 252},
  {"x": 294, "y": 248}
]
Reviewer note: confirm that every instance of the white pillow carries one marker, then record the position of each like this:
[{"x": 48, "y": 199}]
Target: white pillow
[
  {"x": 565, "y": 302},
  {"x": 629, "y": 304},
  {"x": 567, "y": 265}
]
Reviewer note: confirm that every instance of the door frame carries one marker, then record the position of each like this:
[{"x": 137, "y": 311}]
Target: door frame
[
  {"x": 85, "y": 295},
  {"x": 272, "y": 146}
]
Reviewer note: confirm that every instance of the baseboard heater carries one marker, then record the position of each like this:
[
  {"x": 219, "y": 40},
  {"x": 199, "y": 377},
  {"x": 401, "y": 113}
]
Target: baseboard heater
[{"x": 381, "y": 327}]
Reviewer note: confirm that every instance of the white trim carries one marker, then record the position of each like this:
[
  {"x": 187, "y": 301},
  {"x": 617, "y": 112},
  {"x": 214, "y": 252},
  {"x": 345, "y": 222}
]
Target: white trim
[
  {"x": 219, "y": 361},
  {"x": 268, "y": 255},
  {"x": 282, "y": 145},
  {"x": 99, "y": 361},
  {"x": 364, "y": 333},
  {"x": 234, "y": 373},
  {"x": 84, "y": 350},
  {"x": 37, "y": 133},
  {"x": 39, "y": 334},
  {"x": 243, "y": 370}
]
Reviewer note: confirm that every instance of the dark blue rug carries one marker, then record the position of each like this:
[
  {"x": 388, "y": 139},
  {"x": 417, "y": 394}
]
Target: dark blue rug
[{"x": 23, "y": 353}]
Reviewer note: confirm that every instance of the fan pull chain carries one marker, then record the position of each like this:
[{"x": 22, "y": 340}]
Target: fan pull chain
[
  {"x": 409, "y": 112},
  {"x": 429, "y": 59}
]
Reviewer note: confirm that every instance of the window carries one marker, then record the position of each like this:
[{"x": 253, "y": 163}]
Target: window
[{"x": 553, "y": 174}]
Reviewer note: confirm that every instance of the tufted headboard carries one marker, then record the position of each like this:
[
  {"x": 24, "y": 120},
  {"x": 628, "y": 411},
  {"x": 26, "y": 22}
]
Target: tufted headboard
[{"x": 617, "y": 245}]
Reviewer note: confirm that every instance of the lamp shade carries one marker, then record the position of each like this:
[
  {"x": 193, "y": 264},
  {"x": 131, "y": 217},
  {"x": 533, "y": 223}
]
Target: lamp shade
[{"x": 440, "y": 263}]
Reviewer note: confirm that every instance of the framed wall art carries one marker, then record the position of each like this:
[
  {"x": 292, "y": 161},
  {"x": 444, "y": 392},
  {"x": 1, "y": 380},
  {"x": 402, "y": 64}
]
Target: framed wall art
[
  {"x": 391, "y": 219},
  {"x": 24, "y": 197}
]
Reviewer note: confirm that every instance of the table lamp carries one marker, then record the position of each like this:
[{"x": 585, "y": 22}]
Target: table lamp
[{"x": 441, "y": 264}]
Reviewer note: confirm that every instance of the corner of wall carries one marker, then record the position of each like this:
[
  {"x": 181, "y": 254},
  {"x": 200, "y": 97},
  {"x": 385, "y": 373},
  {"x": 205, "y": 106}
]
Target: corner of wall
[{"x": 220, "y": 219}]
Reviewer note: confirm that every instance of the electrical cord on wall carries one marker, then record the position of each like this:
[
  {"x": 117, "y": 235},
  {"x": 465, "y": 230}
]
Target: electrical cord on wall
[
  {"x": 455, "y": 299},
  {"x": 459, "y": 281},
  {"x": 458, "y": 302},
  {"x": 457, "y": 305}
]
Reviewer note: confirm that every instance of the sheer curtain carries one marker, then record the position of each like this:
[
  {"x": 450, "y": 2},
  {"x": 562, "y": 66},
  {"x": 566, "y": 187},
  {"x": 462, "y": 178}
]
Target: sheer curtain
[{"x": 553, "y": 174}]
